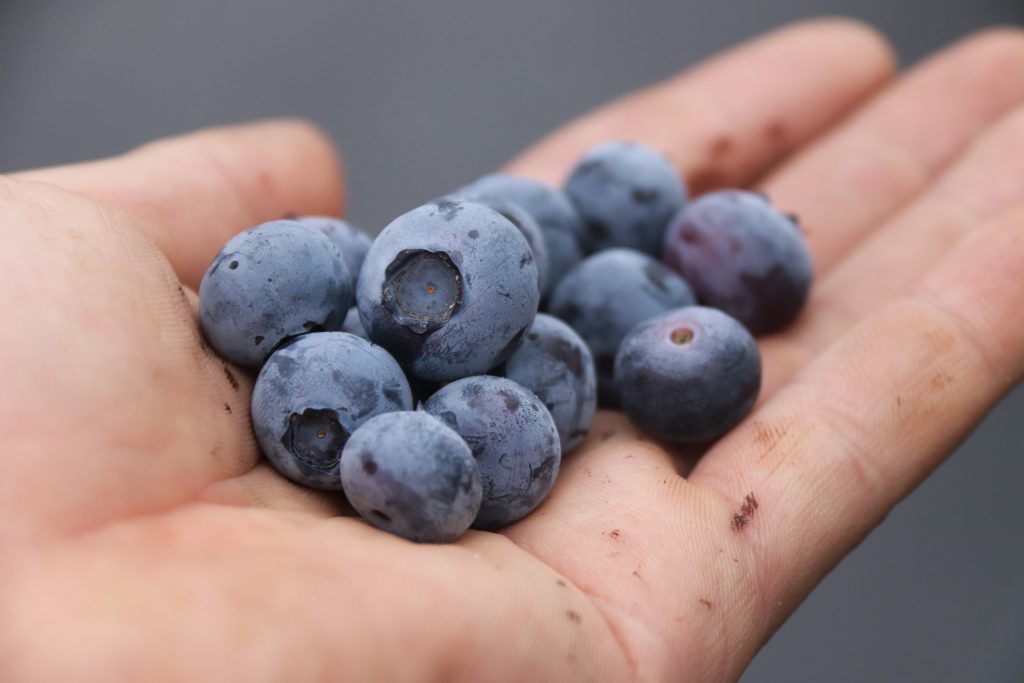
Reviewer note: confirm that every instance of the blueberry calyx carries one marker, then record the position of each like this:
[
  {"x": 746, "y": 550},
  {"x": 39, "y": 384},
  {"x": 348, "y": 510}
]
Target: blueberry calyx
[
  {"x": 315, "y": 437},
  {"x": 422, "y": 289}
]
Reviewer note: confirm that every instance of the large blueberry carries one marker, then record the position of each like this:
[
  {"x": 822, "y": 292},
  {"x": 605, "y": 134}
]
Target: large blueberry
[
  {"x": 626, "y": 193},
  {"x": 513, "y": 439},
  {"x": 352, "y": 242},
  {"x": 268, "y": 283},
  {"x": 526, "y": 224},
  {"x": 560, "y": 222},
  {"x": 743, "y": 256},
  {"x": 410, "y": 474},
  {"x": 607, "y": 294},
  {"x": 555, "y": 364},
  {"x": 449, "y": 288},
  {"x": 313, "y": 393},
  {"x": 688, "y": 376}
]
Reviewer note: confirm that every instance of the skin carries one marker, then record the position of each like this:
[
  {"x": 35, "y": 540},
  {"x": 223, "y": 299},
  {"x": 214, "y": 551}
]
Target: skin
[{"x": 141, "y": 533}]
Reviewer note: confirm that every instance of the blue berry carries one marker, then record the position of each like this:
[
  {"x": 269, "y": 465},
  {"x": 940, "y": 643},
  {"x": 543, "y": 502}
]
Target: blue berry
[
  {"x": 626, "y": 193},
  {"x": 560, "y": 222},
  {"x": 268, "y": 283},
  {"x": 688, "y": 376},
  {"x": 743, "y": 256},
  {"x": 352, "y": 242},
  {"x": 555, "y": 364},
  {"x": 449, "y": 289},
  {"x": 519, "y": 217},
  {"x": 513, "y": 439},
  {"x": 409, "y": 474},
  {"x": 313, "y": 393},
  {"x": 607, "y": 294}
]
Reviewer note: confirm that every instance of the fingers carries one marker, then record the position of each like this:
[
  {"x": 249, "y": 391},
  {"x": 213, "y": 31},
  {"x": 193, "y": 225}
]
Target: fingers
[
  {"x": 845, "y": 185},
  {"x": 191, "y": 193},
  {"x": 981, "y": 185},
  {"x": 858, "y": 429},
  {"x": 729, "y": 119}
]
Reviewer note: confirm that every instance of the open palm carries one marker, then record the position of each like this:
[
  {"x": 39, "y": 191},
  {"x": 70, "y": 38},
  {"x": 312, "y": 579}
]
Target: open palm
[{"x": 142, "y": 538}]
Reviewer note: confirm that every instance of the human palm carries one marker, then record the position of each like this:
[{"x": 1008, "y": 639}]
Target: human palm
[{"x": 142, "y": 538}]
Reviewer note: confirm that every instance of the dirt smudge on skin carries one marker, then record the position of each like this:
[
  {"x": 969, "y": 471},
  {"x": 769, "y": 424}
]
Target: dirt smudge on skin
[
  {"x": 573, "y": 616},
  {"x": 940, "y": 381},
  {"x": 227, "y": 408},
  {"x": 614, "y": 534},
  {"x": 707, "y": 603},
  {"x": 232, "y": 380},
  {"x": 741, "y": 519}
]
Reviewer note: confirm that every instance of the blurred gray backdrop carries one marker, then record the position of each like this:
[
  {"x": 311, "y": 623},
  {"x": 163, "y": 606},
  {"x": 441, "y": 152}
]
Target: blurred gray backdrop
[{"x": 423, "y": 96}]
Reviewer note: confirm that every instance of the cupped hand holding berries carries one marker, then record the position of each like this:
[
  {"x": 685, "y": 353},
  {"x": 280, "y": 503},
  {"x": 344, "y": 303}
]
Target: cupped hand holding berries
[{"x": 140, "y": 530}]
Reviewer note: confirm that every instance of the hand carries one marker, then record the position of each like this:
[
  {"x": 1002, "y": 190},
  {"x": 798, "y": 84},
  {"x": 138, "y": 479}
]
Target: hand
[{"x": 142, "y": 538}]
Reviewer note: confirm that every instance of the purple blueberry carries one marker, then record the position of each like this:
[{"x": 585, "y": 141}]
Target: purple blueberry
[
  {"x": 313, "y": 393},
  {"x": 513, "y": 438},
  {"x": 626, "y": 194},
  {"x": 688, "y": 376},
  {"x": 408, "y": 473},
  {"x": 555, "y": 364},
  {"x": 743, "y": 256},
  {"x": 449, "y": 289},
  {"x": 556, "y": 216},
  {"x": 608, "y": 293},
  {"x": 352, "y": 242},
  {"x": 269, "y": 283}
]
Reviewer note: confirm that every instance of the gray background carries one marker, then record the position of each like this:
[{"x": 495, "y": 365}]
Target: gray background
[{"x": 423, "y": 96}]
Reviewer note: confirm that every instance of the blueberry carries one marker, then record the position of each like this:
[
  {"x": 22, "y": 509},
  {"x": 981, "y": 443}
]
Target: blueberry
[
  {"x": 449, "y": 289},
  {"x": 560, "y": 222},
  {"x": 626, "y": 193},
  {"x": 352, "y": 242},
  {"x": 352, "y": 323},
  {"x": 513, "y": 439},
  {"x": 519, "y": 217},
  {"x": 555, "y": 364},
  {"x": 313, "y": 393},
  {"x": 268, "y": 283},
  {"x": 743, "y": 256},
  {"x": 409, "y": 474},
  {"x": 688, "y": 376},
  {"x": 607, "y": 294}
]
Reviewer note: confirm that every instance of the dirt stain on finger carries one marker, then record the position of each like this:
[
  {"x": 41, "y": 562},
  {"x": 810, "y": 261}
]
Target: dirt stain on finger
[{"x": 741, "y": 519}]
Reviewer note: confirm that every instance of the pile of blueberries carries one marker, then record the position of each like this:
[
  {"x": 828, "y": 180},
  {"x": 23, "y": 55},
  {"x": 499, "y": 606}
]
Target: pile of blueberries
[{"x": 443, "y": 399}]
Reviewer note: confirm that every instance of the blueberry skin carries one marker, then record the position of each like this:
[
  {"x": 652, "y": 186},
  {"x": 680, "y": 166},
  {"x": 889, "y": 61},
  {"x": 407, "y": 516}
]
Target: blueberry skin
[
  {"x": 520, "y": 218},
  {"x": 607, "y": 294},
  {"x": 743, "y": 256},
  {"x": 688, "y": 376},
  {"x": 270, "y": 282},
  {"x": 449, "y": 288},
  {"x": 410, "y": 474},
  {"x": 312, "y": 394},
  {"x": 513, "y": 438},
  {"x": 555, "y": 364},
  {"x": 626, "y": 193},
  {"x": 554, "y": 213},
  {"x": 352, "y": 242},
  {"x": 352, "y": 324}
]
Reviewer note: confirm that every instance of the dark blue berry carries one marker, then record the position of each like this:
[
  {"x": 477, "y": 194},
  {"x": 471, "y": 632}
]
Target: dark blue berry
[
  {"x": 626, "y": 194},
  {"x": 352, "y": 242},
  {"x": 555, "y": 364},
  {"x": 688, "y": 376},
  {"x": 449, "y": 289},
  {"x": 513, "y": 439},
  {"x": 410, "y": 474},
  {"x": 313, "y": 393},
  {"x": 269, "y": 283},
  {"x": 743, "y": 256}
]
